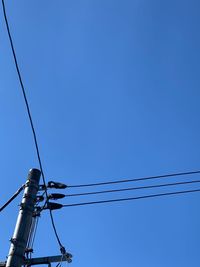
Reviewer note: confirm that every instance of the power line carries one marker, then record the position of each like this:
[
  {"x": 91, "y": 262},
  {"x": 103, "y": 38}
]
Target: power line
[
  {"x": 131, "y": 188},
  {"x": 30, "y": 117},
  {"x": 34, "y": 233},
  {"x": 12, "y": 198},
  {"x": 24, "y": 93},
  {"x": 131, "y": 198},
  {"x": 136, "y": 179}
]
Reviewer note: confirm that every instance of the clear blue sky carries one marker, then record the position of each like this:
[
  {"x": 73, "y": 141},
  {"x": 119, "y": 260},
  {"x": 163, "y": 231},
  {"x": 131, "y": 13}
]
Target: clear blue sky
[{"x": 114, "y": 89}]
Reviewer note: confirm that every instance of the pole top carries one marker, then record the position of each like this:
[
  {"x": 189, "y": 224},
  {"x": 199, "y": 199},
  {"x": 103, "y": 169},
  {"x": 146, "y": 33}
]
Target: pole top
[
  {"x": 34, "y": 169},
  {"x": 34, "y": 174}
]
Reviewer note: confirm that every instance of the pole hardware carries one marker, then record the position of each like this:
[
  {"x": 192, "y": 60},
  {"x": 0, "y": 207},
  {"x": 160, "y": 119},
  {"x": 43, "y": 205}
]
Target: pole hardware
[
  {"x": 53, "y": 206},
  {"x": 45, "y": 260},
  {"x": 40, "y": 198},
  {"x": 55, "y": 196},
  {"x": 52, "y": 184}
]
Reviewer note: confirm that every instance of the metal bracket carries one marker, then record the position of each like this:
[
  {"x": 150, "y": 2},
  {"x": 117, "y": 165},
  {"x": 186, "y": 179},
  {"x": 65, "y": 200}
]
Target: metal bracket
[
  {"x": 48, "y": 260},
  {"x": 44, "y": 260}
]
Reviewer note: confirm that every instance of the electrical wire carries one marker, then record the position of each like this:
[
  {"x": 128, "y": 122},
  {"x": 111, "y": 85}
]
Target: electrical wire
[
  {"x": 131, "y": 188},
  {"x": 83, "y": 185},
  {"x": 136, "y": 179},
  {"x": 30, "y": 117},
  {"x": 35, "y": 230},
  {"x": 32, "y": 229},
  {"x": 12, "y": 198},
  {"x": 32, "y": 233},
  {"x": 131, "y": 198},
  {"x": 56, "y": 233}
]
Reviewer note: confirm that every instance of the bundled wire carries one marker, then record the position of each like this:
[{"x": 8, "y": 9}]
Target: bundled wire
[{"x": 32, "y": 235}]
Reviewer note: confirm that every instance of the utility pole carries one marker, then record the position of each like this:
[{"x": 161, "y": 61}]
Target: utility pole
[
  {"x": 19, "y": 241},
  {"x": 24, "y": 220}
]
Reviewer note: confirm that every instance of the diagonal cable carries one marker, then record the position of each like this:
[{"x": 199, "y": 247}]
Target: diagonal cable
[
  {"x": 12, "y": 198},
  {"x": 30, "y": 117},
  {"x": 136, "y": 179},
  {"x": 132, "y": 188},
  {"x": 131, "y": 198}
]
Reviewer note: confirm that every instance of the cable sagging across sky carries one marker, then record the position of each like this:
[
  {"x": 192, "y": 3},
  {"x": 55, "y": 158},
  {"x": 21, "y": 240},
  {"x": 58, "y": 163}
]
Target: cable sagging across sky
[
  {"x": 136, "y": 179},
  {"x": 132, "y": 188},
  {"x": 131, "y": 198}
]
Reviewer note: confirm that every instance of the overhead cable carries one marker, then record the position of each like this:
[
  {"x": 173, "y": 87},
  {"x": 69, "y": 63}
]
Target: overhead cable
[
  {"x": 12, "y": 198},
  {"x": 30, "y": 117},
  {"x": 23, "y": 92},
  {"x": 136, "y": 179},
  {"x": 130, "y": 198},
  {"x": 131, "y": 189}
]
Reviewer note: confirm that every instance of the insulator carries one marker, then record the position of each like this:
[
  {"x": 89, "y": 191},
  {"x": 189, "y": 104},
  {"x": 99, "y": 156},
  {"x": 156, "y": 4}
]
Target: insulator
[
  {"x": 56, "y": 185},
  {"x": 39, "y": 198},
  {"x": 55, "y": 196},
  {"x": 53, "y": 206}
]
